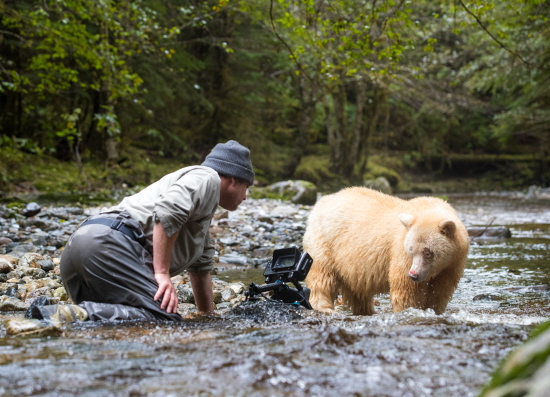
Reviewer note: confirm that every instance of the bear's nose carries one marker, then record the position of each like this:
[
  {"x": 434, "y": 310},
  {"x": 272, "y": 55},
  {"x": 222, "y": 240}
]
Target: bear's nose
[{"x": 413, "y": 275}]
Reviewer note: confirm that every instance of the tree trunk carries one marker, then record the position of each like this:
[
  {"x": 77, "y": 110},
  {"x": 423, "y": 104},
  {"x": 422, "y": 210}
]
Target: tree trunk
[{"x": 308, "y": 100}]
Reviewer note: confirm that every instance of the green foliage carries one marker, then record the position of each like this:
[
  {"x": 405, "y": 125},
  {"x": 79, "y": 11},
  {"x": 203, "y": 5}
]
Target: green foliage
[
  {"x": 90, "y": 81},
  {"x": 521, "y": 364},
  {"x": 375, "y": 171},
  {"x": 314, "y": 168}
]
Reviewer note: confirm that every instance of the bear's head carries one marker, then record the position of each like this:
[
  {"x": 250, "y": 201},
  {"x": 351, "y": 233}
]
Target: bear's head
[{"x": 430, "y": 242}]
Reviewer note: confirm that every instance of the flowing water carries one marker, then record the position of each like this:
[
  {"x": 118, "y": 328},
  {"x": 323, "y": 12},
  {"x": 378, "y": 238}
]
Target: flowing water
[{"x": 270, "y": 349}]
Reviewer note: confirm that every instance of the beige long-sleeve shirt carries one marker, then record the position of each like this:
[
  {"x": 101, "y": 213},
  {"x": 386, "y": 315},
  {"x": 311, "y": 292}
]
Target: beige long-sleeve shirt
[{"x": 183, "y": 201}]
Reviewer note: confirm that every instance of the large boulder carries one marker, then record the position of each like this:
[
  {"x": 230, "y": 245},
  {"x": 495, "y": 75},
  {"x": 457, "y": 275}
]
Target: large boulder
[
  {"x": 381, "y": 184},
  {"x": 296, "y": 191}
]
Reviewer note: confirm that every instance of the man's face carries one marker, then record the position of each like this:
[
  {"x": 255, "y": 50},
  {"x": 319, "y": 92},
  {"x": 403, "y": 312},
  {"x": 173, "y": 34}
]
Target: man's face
[{"x": 232, "y": 193}]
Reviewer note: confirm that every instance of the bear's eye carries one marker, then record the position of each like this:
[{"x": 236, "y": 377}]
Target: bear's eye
[{"x": 427, "y": 253}]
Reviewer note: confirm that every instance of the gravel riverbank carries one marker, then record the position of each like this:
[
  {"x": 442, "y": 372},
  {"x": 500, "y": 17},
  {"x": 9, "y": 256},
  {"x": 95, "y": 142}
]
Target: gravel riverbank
[{"x": 32, "y": 241}]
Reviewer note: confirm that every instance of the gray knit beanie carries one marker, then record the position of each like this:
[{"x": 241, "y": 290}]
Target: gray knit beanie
[{"x": 231, "y": 159}]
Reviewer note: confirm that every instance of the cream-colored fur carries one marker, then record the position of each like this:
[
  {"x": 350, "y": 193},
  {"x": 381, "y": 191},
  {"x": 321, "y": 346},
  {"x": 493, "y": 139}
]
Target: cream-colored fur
[{"x": 364, "y": 243}]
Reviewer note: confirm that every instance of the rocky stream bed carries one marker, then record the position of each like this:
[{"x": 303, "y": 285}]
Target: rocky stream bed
[{"x": 256, "y": 349}]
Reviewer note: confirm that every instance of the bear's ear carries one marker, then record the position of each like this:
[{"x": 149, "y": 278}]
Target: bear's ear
[
  {"x": 406, "y": 220},
  {"x": 447, "y": 227}
]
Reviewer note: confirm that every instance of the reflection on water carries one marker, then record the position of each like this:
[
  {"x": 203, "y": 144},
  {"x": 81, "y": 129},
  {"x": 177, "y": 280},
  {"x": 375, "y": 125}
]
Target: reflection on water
[{"x": 265, "y": 349}]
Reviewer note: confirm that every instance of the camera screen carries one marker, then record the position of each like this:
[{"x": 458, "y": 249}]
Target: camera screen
[{"x": 284, "y": 262}]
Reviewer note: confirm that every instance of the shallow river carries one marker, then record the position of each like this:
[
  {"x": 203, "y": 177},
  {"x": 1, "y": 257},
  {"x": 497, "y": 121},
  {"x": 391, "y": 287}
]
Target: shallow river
[{"x": 265, "y": 349}]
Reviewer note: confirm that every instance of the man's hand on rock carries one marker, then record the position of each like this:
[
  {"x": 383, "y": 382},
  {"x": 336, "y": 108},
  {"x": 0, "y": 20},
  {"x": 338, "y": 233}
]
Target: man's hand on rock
[{"x": 166, "y": 293}]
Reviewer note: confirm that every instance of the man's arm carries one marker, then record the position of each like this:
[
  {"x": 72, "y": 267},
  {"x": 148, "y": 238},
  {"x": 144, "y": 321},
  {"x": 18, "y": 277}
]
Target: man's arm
[
  {"x": 162, "y": 256},
  {"x": 203, "y": 291}
]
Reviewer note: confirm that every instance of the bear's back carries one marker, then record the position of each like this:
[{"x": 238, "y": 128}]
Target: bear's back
[{"x": 351, "y": 212}]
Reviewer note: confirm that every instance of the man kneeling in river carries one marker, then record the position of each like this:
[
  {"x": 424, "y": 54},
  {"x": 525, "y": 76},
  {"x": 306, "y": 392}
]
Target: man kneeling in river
[{"x": 118, "y": 264}]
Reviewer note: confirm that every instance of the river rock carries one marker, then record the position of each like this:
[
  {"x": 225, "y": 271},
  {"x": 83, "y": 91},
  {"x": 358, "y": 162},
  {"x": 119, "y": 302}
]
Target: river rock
[
  {"x": 5, "y": 266},
  {"x": 217, "y": 297},
  {"x": 488, "y": 297},
  {"x": 381, "y": 184},
  {"x": 283, "y": 211},
  {"x": 51, "y": 283},
  {"x": 296, "y": 191},
  {"x": 23, "y": 249},
  {"x": 237, "y": 287},
  {"x": 185, "y": 294},
  {"x": 31, "y": 260},
  {"x": 14, "y": 276},
  {"x": 61, "y": 293},
  {"x": 228, "y": 294},
  {"x": 31, "y": 209},
  {"x": 13, "y": 292},
  {"x": 11, "y": 259},
  {"x": 11, "y": 304},
  {"x": 5, "y": 241},
  {"x": 245, "y": 237},
  {"x": 489, "y": 232},
  {"x": 43, "y": 291},
  {"x": 234, "y": 259}
]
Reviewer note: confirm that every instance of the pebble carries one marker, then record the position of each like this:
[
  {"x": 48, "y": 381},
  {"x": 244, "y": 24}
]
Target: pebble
[{"x": 31, "y": 243}]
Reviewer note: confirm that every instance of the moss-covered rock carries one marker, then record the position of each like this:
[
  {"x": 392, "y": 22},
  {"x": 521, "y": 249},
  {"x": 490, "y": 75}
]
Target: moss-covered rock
[
  {"x": 314, "y": 168},
  {"x": 299, "y": 192},
  {"x": 381, "y": 184},
  {"x": 375, "y": 171}
]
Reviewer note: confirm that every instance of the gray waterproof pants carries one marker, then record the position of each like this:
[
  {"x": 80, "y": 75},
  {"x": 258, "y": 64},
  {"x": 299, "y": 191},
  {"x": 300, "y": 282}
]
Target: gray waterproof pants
[{"x": 111, "y": 274}]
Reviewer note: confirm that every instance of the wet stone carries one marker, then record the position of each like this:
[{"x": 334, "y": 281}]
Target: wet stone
[
  {"x": 11, "y": 259},
  {"x": 44, "y": 291},
  {"x": 5, "y": 266},
  {"x": 46, "y": 265},
  {"x": 61, "y": 293},
  {"x": 488, "y": 297},
  {"x": 16, "y": 274},
  {"x": 185, "y": 294},
  {"x": 229, "y": 241},
  {"x": 12, "y": 292},
  {"x": 40, "y": 238},
  {"x": 35, "y": 273},
  {"x": 237, "y": 287},
  {"x": 32, "y": 327},
  {"x": 218, "y": 297},
  {"x": 234, "y": 259},
  {"x": 247, "y": 230},
  {"x": 228, "y": 294},
  {"x": 262, "y": 252},
  {"x": 5, "y": 241},
  {"x": 265, "y": 312},
  {"x": 31, "y": 209},
  {"x": 22, "y": 249},
  {"x": 11, "y": 304},
  {"x": 224, "y": 305},
  {"x": 31, "y": 260}
]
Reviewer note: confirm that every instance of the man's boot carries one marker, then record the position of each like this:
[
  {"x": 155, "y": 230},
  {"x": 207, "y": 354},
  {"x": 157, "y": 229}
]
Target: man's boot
[{"x": 41, "y": 310}]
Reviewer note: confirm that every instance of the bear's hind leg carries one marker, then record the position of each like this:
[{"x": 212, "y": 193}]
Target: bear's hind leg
[{"x": 324, "y": 289}]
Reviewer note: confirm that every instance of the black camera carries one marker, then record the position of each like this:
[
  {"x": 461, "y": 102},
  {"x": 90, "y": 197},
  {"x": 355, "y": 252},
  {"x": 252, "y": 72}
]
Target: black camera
[{"x": 287, "y": 265}]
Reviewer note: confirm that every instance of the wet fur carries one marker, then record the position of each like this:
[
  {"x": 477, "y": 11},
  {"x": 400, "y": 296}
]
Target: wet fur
[{"x": 361, "y": 248}]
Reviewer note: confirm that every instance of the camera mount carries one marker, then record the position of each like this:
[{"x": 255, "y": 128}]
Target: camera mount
[{"x": 287, "y": 265}]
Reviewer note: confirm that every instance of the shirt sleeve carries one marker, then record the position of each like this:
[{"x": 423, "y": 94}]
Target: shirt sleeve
[
  {"x": 206, "y": 262},
  {"x": 190, "y": 197}
]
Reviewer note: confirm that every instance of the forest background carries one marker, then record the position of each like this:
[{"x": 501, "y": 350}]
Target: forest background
[{"x": 99, "y": 94}]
